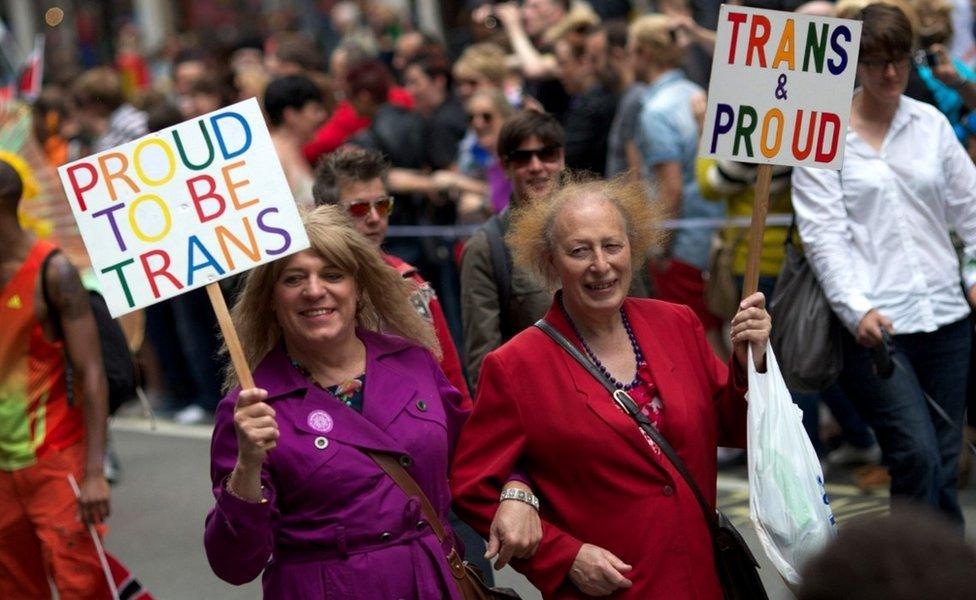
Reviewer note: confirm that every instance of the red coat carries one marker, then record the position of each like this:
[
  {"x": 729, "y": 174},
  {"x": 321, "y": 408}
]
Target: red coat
[
  {"x": 598, "y": 479},
  {"x": 425, "y": 301},
  {"x": 344, "y": 123}
]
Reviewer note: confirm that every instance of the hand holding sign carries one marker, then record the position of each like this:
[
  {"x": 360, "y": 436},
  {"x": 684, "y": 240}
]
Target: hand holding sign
[
  {"x": 257, "y": 429},
  {"x": 780, "y": 93}
]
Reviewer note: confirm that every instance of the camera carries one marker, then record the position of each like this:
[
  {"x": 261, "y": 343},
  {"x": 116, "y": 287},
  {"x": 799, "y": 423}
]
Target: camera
[{"x": 884, "y": 363}]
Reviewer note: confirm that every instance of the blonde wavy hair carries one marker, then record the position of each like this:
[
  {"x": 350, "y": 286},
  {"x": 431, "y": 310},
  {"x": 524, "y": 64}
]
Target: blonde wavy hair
[
  {"x": 485, "y": 59},
  {"x": 384, "y": 295},
  {"x": 532, "y": 236},
  {"x": 655, "y": 31}
]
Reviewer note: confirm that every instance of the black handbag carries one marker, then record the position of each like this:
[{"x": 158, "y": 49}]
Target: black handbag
[
  {"x": 807, "y": 336},
  {"x": 737, "y": 568}
]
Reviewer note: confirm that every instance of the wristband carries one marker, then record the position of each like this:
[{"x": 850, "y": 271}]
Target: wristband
[{"x": 520, "y": 495}]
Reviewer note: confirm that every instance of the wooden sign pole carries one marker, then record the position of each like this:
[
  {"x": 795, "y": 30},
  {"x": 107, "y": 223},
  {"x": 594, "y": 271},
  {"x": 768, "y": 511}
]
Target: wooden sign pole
[
  {"x": 230, "y": 336},
  {"x": 760, "y": 207}
]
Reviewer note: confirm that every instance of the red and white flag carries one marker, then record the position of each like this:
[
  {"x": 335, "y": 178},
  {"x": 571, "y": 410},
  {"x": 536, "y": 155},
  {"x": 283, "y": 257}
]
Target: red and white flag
[{"x": 32, "y": 72}]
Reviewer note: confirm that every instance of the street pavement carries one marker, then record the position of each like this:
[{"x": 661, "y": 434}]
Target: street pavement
[{"x": 158, "y": 509}]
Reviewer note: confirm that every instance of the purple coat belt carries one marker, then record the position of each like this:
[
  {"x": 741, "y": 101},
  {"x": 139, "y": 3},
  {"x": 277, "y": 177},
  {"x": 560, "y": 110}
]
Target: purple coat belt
[{"x": 334, "y": 524}]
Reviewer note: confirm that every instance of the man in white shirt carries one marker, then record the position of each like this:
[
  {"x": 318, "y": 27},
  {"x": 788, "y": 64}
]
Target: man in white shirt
[{"x": 877, "y": 236}]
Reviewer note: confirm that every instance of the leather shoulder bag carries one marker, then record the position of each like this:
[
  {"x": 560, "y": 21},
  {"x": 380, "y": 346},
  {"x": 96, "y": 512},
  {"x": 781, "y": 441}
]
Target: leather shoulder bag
[
  {"x": 736, "y": 566},
  {"x": 467, "y": 577}
]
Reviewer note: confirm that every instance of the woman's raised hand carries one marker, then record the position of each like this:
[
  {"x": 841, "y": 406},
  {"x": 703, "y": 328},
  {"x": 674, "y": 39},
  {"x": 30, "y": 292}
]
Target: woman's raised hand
[
  {"x": 597, "y": 572},
  {"x": 751, "y": 326},
  {"x": 257, "y": 430}
]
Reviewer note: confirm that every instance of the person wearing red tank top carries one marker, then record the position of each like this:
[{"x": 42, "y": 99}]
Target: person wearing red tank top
[{"x": 44, "y": 439}]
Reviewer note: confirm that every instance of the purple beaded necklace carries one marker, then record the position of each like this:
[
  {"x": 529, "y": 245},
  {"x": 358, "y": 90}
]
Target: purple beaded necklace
[{"x": 638, "y": 355}]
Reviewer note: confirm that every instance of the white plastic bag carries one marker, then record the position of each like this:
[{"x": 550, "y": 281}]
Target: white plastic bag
[{"x": 788, "y": 504}]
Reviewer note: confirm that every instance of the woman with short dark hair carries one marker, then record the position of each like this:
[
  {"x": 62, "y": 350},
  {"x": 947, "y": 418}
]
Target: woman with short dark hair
[{"x": 877, "y": 236}]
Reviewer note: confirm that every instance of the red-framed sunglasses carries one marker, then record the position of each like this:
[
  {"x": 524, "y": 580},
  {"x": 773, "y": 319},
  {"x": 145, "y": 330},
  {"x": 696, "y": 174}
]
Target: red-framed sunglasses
[{"x": 360, "y": 208}]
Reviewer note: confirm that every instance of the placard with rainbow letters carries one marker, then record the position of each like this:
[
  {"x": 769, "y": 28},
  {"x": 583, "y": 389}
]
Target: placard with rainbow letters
[
  {"x": 781, "y": 87},
  {"x": 183, "y": 207}
]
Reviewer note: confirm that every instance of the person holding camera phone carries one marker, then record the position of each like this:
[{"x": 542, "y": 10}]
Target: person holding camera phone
[
  {"x": 876, "y": 234},
  {"x": 951, "y": 82}
]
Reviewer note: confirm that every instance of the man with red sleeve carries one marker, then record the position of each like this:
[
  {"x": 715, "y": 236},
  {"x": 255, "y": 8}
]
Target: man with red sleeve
[
  {"x": 47, "y": 434},
  {"x": 354, "y": 179},
  {"x": 346, "y": 121}
]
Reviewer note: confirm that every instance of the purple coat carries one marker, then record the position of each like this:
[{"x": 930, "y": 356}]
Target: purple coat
[{"x": 335, "y": 525}]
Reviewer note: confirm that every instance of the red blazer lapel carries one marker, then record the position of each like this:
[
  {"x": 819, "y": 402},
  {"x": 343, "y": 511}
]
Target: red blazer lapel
[
  {"x": 597, "y": 398},
  {"x": 655, "y": 340}
]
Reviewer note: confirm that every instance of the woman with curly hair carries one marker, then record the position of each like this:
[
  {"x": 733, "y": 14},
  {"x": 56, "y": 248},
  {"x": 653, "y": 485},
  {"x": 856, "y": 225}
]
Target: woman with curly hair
[
  {"x": 617, "y": 518},
  {"x": 298, "y": 495}
]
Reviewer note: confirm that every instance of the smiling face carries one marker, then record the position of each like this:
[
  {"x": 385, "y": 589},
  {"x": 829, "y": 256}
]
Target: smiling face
[
  {"x": 534, "y": 168},
  {"x": 314, "y": 302},
  {"x": 591, "y": 257}
]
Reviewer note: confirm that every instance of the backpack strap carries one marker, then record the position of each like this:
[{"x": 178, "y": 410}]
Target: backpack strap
[
  {"x": 47, "y": 295},
  {"x": 501, "y": 265},
  {"x": 69, "y": 371}
]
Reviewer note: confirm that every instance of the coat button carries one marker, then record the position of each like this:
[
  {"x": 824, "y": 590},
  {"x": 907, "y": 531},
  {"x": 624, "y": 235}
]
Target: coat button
[
  {"x": 321, "y": 443},
  {"x": 421, "y": 406},
  {"x": 421, "y": 524},
  {"x": 385, "y": 536},
  {"x": 668, "y": 491},
  {"x": 406, "y": 462}
]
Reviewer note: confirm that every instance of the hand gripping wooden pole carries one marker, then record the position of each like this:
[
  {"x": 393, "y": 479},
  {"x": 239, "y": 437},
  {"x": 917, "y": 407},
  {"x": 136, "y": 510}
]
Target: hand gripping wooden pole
[
  {"x": 760, "y": 207},
  {"x": 230, "y": 336}
]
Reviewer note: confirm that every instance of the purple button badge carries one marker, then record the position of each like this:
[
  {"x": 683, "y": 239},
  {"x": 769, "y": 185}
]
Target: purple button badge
[{"x": 320, "y": 421}]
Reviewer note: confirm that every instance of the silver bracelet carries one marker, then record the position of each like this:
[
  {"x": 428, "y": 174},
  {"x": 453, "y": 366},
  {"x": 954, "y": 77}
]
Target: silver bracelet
[{"x": 520, "y": 495}]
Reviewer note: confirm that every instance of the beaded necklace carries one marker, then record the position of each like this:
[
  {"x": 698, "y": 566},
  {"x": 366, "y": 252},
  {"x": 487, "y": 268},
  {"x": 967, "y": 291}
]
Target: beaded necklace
[{"x": 638, "y": 355}]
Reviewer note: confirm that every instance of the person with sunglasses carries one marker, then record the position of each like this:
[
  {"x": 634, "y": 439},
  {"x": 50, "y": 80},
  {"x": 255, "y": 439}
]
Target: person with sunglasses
[
  {"x": 497, "y": 301},
  {"x": 355, "y": 180},
  {"x": 486, "y": 111}
]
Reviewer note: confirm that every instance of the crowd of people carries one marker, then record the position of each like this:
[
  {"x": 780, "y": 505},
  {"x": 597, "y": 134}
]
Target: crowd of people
[{"x": 409, "y": 367}]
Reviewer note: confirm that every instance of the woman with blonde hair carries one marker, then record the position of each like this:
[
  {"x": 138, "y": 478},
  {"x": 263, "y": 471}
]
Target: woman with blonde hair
[
  {"x": 299, "y": 493},
  {"x": 617, "y": 518},
  {"x": 487, "y": 110}
]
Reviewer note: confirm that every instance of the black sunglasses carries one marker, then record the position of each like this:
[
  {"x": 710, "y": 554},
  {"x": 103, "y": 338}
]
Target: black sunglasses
[
  {"x": 547, "y": 154},
  {"x": 487, "y": 117}
]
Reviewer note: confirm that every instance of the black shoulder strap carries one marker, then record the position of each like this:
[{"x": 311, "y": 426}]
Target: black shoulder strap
[
  {"x": 69, "y": 372},
  {"x": 51, "y": 311},
  {"x": 625, "y": 402},
  {"x": 501, "y": 264}
]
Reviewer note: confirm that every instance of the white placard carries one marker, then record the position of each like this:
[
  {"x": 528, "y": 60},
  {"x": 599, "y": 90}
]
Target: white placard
[
  {"x": 183, "y": 207},
  {"x": 781, "y": 86}
]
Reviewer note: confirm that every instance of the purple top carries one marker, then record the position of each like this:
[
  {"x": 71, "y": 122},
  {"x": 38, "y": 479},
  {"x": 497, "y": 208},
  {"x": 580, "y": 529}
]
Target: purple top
[
  {"x": 499, "y": 186},
  {"x": 334, "y": 524}
]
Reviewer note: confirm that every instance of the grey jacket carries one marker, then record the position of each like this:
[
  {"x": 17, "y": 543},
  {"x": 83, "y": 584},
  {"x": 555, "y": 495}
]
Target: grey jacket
[{"x": 481, "y": 315}]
